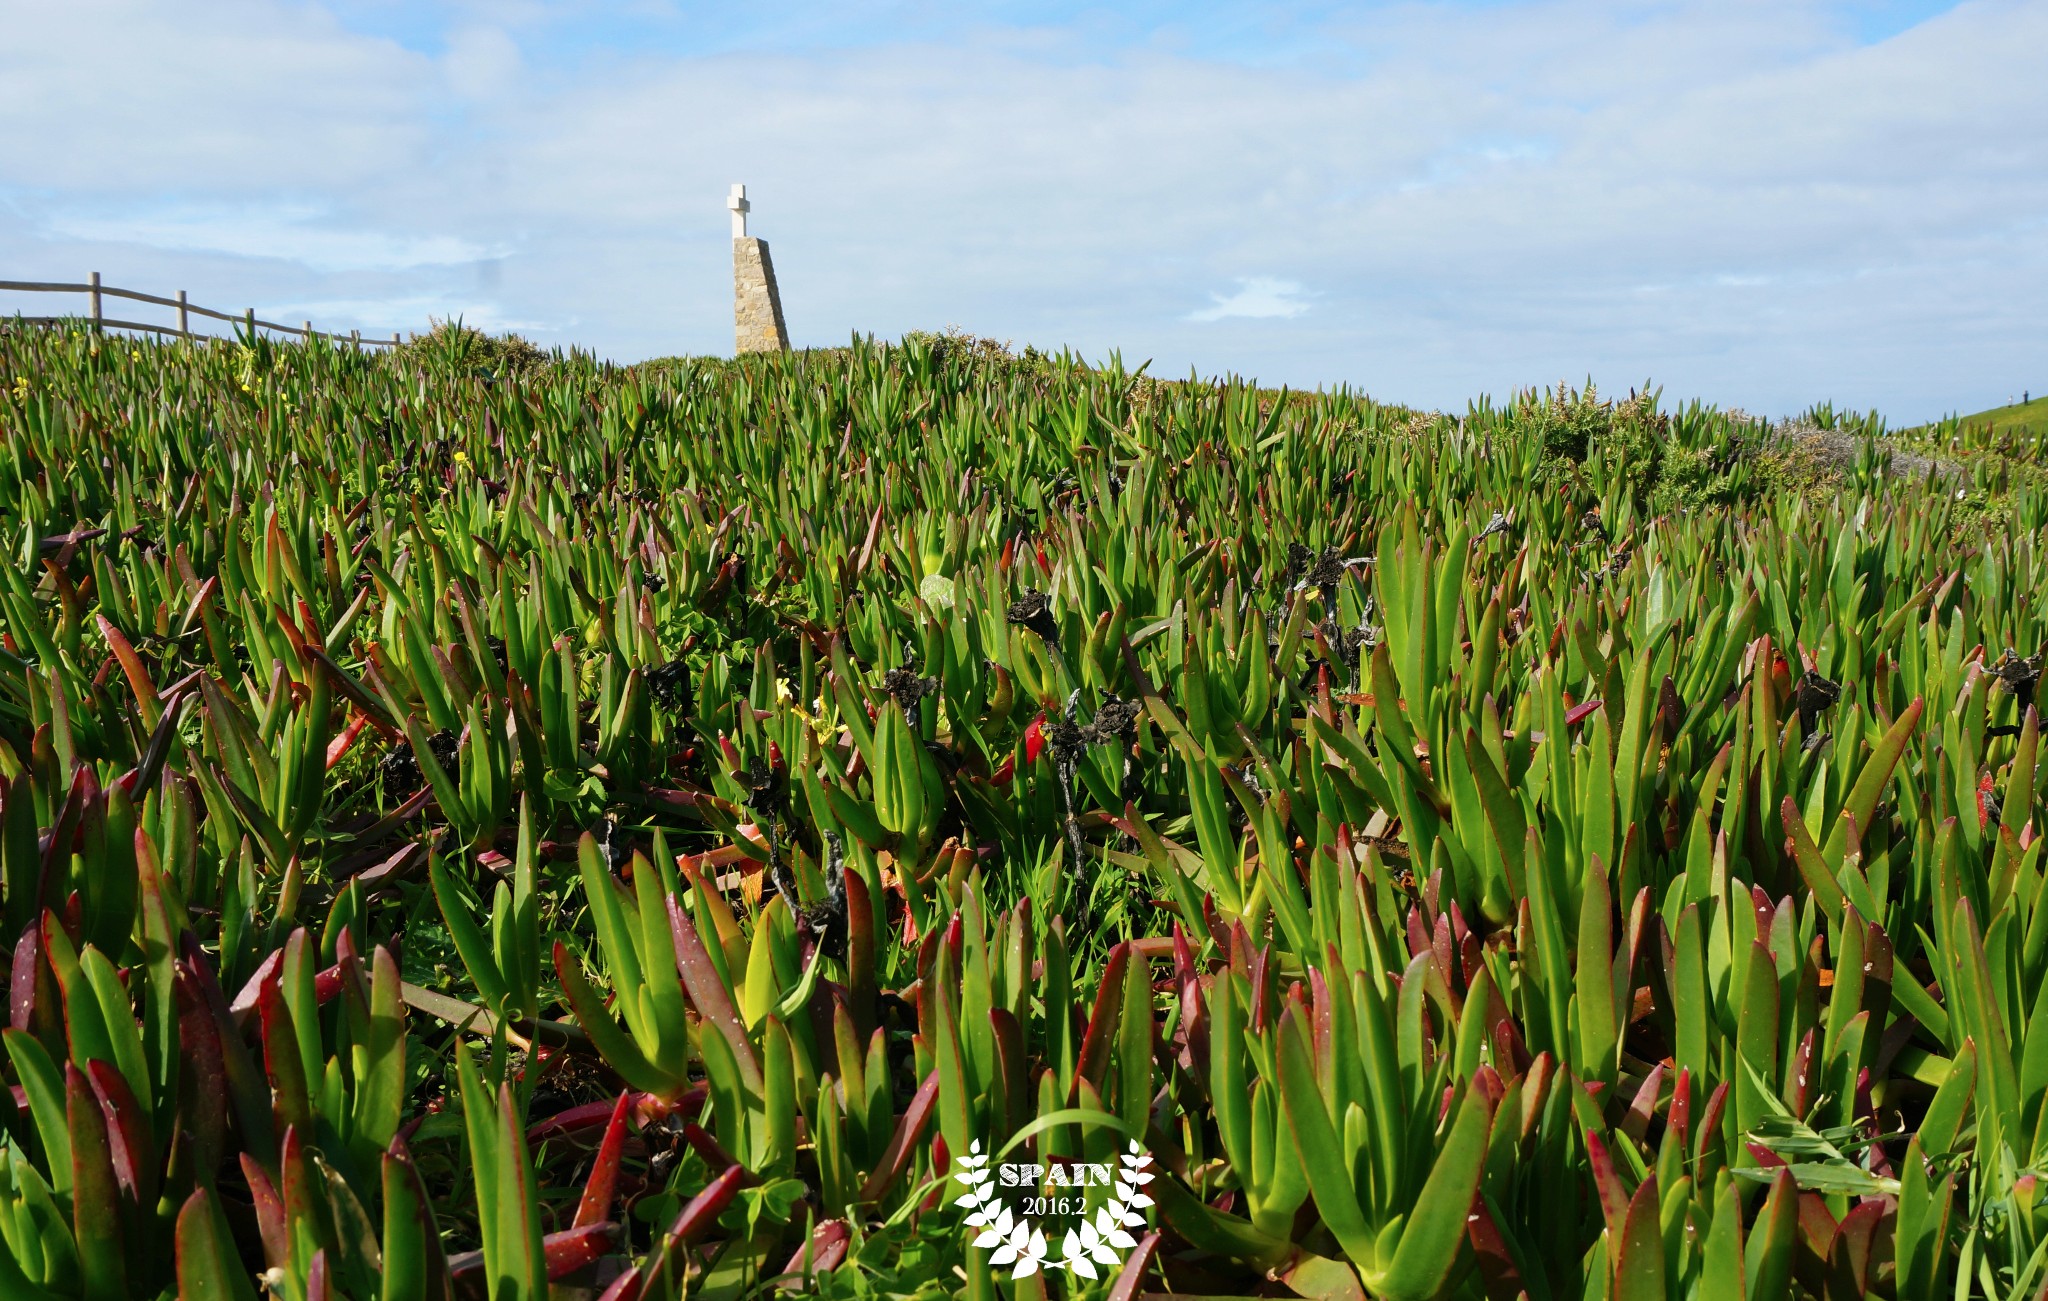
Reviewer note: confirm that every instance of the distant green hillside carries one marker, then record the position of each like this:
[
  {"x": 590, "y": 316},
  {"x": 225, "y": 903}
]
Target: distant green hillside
[{"x": 2030, "y": 416}]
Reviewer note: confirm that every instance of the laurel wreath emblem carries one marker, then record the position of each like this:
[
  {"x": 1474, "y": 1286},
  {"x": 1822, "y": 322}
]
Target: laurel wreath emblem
[{"x": 1099, "y": 1240}]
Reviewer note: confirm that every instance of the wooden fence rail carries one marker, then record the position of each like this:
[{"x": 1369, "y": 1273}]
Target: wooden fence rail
[{"x": 96, "y": 314}]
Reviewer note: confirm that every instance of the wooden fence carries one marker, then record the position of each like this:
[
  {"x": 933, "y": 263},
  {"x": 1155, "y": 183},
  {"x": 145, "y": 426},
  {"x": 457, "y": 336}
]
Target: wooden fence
[{"x": 96, "y": 314}]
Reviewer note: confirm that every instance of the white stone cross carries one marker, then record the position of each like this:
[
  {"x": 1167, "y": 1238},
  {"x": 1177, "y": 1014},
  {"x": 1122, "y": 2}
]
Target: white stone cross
[{"x": 737, "y": 201}]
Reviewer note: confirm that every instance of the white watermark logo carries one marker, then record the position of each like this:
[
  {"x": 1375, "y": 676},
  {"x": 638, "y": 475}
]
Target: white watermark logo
[{"x": 1019, "y": 1238}]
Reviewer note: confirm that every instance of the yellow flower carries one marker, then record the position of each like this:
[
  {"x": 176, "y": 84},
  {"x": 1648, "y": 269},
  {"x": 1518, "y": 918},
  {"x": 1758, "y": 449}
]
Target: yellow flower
[
  {"x": 462, "y": 458},
  {"x": 135, "y": 355}
]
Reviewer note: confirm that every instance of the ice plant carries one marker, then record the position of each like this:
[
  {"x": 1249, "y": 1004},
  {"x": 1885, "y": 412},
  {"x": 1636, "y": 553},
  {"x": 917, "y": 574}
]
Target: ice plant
[{"x": 475, "y": 823}]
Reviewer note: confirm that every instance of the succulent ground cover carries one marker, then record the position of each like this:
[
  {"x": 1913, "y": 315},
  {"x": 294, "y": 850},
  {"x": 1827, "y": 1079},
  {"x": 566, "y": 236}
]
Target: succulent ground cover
[{"x": 473, "y": 824}]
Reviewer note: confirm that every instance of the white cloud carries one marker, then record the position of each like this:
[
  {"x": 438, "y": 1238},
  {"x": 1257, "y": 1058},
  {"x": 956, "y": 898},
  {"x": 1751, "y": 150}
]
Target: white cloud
[
  {"x": 1257, "y": 298},
  {"x": 301, "y": 233},
  {"x": 482, "y": 62},
  {"x": 105, "y": 97},
  {"x": 405, "y": 314}
]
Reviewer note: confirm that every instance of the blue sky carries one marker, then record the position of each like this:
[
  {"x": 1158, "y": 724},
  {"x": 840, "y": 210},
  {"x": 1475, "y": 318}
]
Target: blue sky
[
  {"x": 1763, "y": 203},
  {"x": 565, "y": 34}
]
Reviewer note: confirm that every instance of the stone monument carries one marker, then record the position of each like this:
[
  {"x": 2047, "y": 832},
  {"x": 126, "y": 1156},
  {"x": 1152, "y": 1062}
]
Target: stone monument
[{"x": 756, "y": 305}]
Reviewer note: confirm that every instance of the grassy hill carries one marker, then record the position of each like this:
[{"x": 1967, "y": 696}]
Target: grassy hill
[{"x": 2029, "y": 417}]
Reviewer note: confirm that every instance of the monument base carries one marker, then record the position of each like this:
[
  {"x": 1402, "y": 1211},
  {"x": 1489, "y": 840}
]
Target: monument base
[{"x": 757, "y": 306}]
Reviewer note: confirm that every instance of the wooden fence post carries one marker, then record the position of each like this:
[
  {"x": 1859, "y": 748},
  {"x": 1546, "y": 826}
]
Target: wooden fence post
[
  {"x": 309, "y": 330},
  {"x": 93, "y": 288},
  {"x": 184, "y": 316}
]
